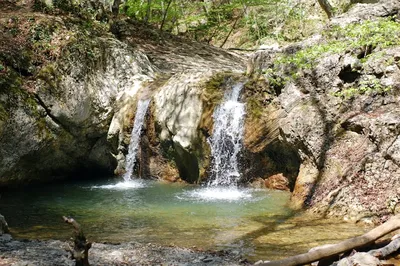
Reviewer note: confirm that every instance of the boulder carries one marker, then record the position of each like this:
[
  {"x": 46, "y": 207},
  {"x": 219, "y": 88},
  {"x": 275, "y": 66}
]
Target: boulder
[
  {"x": 58, "y": 127},
  {"x": 278, "y": 181},
  {"x": 3, "y": 225}
]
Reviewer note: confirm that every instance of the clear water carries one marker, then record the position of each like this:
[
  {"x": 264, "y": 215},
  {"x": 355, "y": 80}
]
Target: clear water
[
  {"x": 226, "y": 139},
  {"x": 255, "y": 222},
  {"x": 133, "y": 148}
]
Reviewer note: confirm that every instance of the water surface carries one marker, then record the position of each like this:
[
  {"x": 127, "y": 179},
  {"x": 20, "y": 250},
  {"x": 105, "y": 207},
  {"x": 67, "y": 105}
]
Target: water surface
[{"x": 255, "y": 222}]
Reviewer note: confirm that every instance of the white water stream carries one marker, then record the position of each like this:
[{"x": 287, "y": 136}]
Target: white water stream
[
  {"x": 226, "y": 139},
  {"x": 133, "y": 148}
]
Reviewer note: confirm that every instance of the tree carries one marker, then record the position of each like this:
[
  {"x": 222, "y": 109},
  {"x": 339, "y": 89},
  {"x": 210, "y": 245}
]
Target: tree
[
  {"x": 115, "y": 7},
  {"x": 327, "y": 7},
  {"x": 165, "y": 15}
]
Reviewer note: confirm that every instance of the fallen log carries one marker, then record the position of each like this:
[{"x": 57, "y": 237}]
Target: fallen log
[
  {"x": 80, "y": 252},
  {"x": 336, "y": 249}
]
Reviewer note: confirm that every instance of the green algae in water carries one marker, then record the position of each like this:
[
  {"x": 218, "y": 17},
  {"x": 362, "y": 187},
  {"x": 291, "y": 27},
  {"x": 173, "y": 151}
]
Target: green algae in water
[{"x": 168, "y": 214}]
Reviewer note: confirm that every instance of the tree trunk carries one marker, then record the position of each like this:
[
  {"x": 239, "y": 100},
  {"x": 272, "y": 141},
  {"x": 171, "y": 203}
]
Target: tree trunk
[
  {"x": 165, "y": 15},
  {"x": 327, "y": 7},
  {"x": 230, "y": 32},
  {"x": 115, "y": 7},
  {"x": 148, "y": 11}
]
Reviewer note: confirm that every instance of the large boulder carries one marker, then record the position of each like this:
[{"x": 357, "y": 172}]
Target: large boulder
[{"x": 56, "y": 124}]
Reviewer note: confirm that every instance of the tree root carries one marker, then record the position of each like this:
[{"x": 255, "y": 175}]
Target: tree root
[{"x": 80, "y": 252}]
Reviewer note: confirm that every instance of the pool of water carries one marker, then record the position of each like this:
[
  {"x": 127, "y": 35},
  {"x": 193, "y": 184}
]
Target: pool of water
[{"x": 255, "y": 222}]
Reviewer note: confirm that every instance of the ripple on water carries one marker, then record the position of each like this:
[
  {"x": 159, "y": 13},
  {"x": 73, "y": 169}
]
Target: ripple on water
[
  {"x": 124, "y": 185},
  {"x": 216, "y": 194}
]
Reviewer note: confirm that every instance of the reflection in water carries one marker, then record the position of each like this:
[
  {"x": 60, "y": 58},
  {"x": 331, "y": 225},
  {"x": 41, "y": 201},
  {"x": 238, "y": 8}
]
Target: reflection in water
[{"x": 255, "y": 221}]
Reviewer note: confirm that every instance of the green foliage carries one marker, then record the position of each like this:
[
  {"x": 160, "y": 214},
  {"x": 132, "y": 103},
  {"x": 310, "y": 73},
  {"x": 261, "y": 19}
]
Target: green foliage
[
  {"x": 383, "y": 33},
  {"x": 153, "y": 11},
  {"x": 214, "y": 20},
  {"x": 42, "y": 32},
  {"x": 276, "y": 82},
  {"x": 370, "y": 84}
]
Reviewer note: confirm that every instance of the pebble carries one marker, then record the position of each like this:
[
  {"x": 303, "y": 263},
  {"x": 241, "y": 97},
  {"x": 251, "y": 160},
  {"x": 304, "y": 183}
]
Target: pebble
[{"x": 208, "y": 260}]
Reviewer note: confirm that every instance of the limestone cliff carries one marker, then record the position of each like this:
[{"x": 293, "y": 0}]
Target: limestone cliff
[{"x": 336, "y": 107}]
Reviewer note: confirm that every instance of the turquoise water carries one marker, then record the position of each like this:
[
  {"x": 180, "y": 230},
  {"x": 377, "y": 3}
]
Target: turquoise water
[{"x": 252, "y": 221}]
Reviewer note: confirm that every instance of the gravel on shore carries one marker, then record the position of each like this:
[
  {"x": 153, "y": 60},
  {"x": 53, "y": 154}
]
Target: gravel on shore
[{"x": 55, "y": 252}]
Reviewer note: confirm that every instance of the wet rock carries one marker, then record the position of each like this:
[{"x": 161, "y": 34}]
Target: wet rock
[
  {"x": 258, "y": 183},
  {"x": 5, "y": 238},
  {"x": 3, "y": 225},
  {"x": 278, "y": 182}
]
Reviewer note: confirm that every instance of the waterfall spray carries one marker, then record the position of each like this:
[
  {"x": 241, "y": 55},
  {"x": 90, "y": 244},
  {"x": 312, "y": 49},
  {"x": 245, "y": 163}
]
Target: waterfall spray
[
  {"x": 226, "y": 139},
  {"x": 141, "y": 111}
]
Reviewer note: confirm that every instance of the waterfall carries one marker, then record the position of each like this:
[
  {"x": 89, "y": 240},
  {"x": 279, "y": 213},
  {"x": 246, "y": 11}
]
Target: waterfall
[
  {"x": 226, "y": 139},
  {"x": 141, "y": 111}
]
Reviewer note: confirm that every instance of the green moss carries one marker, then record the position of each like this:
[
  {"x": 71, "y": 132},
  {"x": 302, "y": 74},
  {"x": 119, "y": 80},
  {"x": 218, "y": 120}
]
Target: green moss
[
  {"x": 259, "y": 93},
  {"x": 255, "y": 108},
  {"x": 89, "y": 51},
  {"x": 254, "y": 99},
  {"x": 3, "y": 113},
  {"x": 50, "y": 75},
  {"x": 214, "y": 88}
]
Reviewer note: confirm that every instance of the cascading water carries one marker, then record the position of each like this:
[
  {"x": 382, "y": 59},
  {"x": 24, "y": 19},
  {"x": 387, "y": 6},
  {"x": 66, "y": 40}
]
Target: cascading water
[
  {"x": 141, "y": 111},
  {"x": 226, "y": 139}
]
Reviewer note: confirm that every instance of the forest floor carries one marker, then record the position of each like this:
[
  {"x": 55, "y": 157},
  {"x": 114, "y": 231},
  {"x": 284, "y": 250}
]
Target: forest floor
[{"x": 55, "y": 252}]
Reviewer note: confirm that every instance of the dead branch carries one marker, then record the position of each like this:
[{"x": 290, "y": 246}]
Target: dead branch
[
  {"x": 388, "y": 249},
  {"x": 81, "y": 246},
  {"x": 346, "y": 245}
]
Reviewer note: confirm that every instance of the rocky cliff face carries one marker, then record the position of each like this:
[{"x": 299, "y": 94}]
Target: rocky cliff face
[
  {"x": 173, "y": 132},
  {"x": 55, "y": 119},
  {"x": 322, "y": 117},
  {"x": 340, "y": 115},
  {"x": 69, "y": 92}
]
